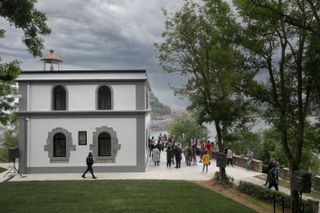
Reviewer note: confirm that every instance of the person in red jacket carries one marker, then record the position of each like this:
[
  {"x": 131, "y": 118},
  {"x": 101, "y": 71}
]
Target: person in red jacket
[{"x": 209, "y": 149}]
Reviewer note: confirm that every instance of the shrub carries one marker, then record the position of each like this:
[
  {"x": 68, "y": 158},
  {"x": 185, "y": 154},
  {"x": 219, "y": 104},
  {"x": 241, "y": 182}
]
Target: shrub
[
  {"x": 267, "y": 194},
  {"x": 230, "y": 180}
]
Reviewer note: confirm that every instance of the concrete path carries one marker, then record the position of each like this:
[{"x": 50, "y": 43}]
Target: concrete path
[{"x": 152, "y": 172}]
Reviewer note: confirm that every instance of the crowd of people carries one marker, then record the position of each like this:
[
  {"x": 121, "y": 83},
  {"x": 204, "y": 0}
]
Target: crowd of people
[
  {"x": 197, "y": 148},
  {"x": 174, "y": 150},
  {"x": 206, "y": 151}
]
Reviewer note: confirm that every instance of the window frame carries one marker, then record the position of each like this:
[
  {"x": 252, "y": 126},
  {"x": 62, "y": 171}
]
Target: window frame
[
  {"x": 115, "y": 146},
  {"x": 108, "y": 149},
  {"x": 85, "y": 141},
  {"x": 49, "y": 147},
  {"x": 63, "y": 97},
  {"x": 56, "y": 143},
  {"x": 109, "y": 98}
]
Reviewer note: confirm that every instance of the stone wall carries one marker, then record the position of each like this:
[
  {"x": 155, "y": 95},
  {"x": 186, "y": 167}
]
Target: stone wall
[{"x": 242, "y": 162}]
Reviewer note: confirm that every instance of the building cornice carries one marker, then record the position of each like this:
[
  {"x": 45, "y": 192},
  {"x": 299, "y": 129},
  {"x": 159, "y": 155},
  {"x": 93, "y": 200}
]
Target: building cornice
[{"x": 77, "y": 114}]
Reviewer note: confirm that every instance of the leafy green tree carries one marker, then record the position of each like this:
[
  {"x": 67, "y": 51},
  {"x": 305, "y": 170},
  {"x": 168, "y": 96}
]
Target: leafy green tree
[
  {"x": 8, "y": 91},
  {"x": 8, "y": 140},
  {"x": 310, "y": 8},
  {"x": 184, "y": 129},
  {"x": 198, "y": 46},
  {"x": 242, "y": 139},
  {"x": 22, "y": 14},
  {"x": 280, "y": 50},
  {"x": 271, "y": 146}
]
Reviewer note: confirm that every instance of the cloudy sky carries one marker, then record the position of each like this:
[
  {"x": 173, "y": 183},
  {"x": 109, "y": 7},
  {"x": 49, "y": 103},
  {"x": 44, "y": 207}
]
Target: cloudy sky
[{"x": 101, "y": 34}]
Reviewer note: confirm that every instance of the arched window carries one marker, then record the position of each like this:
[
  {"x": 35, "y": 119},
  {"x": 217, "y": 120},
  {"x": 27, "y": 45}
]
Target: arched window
[
  {"x": 59, "y": 145},
  {"x": 104, "y": 144},
  {"x": 59, "y": 98},
  {"x": 104, "y": 98}
]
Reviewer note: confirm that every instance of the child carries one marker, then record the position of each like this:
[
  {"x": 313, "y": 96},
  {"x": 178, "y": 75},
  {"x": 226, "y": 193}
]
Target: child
[{"x": 206, "y": 161}]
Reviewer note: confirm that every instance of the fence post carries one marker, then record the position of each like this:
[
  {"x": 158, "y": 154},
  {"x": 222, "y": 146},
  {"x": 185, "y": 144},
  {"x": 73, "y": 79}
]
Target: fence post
[{"x": 274, "y": 203}]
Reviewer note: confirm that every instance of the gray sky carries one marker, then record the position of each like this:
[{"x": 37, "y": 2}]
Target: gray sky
[{"x": 101, "y": 34}]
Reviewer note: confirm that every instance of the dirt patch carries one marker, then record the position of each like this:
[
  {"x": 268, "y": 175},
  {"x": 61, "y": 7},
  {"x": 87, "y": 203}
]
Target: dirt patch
[{"x": 236, "y": 195}]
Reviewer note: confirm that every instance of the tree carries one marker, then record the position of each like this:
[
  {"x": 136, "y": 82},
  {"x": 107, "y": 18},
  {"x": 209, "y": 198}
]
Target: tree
[
  {"x": 184, "y": 129},
  {"x": 198, "y": 46},
  {"x": 9, "y": 140},
  {"x": 241, "y": 139},
  {"x": 280, "y": 50},
  {"x": 310, "y": 7},
  {"x": 8, "y": 91},
  {"x": 22, "y": 14}
]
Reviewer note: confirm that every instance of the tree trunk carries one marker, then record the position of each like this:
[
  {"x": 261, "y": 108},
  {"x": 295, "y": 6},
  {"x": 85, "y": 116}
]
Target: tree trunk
[
  {"x": 222, "y": 170},
  {"x": 295, "y": 202}
]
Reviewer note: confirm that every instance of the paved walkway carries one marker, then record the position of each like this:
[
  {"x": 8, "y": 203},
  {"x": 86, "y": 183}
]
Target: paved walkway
[{"x": 152, "y": 172}]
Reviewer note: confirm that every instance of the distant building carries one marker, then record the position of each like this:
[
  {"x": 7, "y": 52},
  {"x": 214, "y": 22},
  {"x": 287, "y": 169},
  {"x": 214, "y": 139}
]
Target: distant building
[{"x": 63, "y": 115}]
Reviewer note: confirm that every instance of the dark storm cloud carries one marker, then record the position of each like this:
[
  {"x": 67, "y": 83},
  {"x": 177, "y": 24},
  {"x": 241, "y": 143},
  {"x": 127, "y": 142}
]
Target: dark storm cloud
[{"x": 101, "y": 34}]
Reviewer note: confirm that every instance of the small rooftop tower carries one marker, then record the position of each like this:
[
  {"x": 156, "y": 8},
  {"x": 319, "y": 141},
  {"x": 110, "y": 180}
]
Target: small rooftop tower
[{"x": 51, "y": 59}]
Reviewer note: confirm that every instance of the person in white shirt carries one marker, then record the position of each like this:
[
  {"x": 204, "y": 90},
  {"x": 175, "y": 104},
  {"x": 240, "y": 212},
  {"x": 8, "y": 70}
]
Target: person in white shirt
[{"x": 229, "y": 157}]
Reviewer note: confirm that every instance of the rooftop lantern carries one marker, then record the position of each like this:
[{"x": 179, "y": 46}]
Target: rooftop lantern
[{"x": 51, "y": 59}]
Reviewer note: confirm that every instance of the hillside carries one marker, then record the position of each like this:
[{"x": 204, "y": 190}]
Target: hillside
[{"x": 158, "y": 109}]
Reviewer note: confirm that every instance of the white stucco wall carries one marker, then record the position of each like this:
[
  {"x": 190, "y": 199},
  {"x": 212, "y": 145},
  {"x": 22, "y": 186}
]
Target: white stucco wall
[
  {"x": 124, "y": 97},
  {"x": 82, "y": 97},
  {"x": 39, "y": 128},
  {"x": 40, "y": 97}
]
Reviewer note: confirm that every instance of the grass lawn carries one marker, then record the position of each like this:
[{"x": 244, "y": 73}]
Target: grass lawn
[{"x": 113, "y": 196}]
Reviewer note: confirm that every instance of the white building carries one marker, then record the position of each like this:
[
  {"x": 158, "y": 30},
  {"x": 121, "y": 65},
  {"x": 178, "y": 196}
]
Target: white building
[{"x": 64, "y": 115}]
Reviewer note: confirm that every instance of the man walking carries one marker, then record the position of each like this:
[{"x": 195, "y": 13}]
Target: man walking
[{"x": 89, "y": 162}]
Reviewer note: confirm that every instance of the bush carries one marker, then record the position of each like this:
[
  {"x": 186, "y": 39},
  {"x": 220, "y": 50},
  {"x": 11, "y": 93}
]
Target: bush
[
  {"x": 267, "y": 194},
  {"x": 230, "y": 180}
]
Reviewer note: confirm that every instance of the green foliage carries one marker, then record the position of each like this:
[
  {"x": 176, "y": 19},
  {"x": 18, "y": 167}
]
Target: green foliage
[
  {"x": 113, "y": 196},
  {"x": 228, "y": 180},
  {"x": 7, "y": 141},
  {"x": 8, "y": 91},
  {"x": 158, "y": 109},
  {"x": 23, "y": 14},
  {"x": 184, "y": 129},
  {"x": 264, "y": 193},
  {"x": 240, "y": 140},
  {"x": 272, "y": 147},
  {"x": 198, "y": 45}
]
